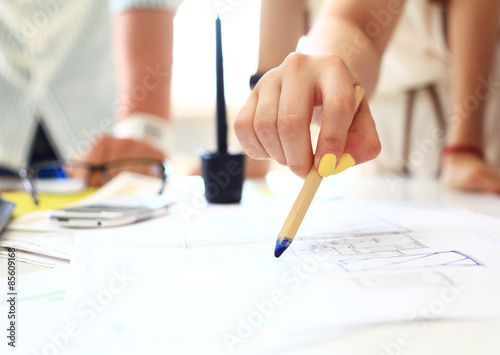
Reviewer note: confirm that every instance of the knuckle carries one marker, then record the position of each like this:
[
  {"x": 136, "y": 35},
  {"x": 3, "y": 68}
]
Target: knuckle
[
  {"x": 345, "y": 104},
  {"x": 335, "y": 60},
  {"x": 333, "y": 142},
  {"x": 269, "y": 76},
  {"x": 295, "y": 60},
  {"x": 241, "y": 127},
  {"x": 288, "y": 124},
  {"x": 264, "y": 125}
]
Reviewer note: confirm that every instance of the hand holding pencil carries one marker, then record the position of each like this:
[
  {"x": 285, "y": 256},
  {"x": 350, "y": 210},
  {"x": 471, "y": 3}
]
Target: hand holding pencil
[
  {"x": 306, "y": 195},
  {"x": 275, "y": 121},
  {"x": 308, "y": 89}
]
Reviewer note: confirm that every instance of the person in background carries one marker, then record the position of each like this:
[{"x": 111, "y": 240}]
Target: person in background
[
  {"x": 60, "y": 98},
  {"x": 394, "y": 49}
]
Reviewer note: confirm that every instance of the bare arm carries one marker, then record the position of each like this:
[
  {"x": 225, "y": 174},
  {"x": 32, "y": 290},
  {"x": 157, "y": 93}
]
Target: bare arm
[
  {"x": 358, "y": 32},
  {"x": 143, "y": 41},
  {"x": 317, "y": 86},
  {"x": 282, "y": 23},
  {"x": 472, "y": 35}
]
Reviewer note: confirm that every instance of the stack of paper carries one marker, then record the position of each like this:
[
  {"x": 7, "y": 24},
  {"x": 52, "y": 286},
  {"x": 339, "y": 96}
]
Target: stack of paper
[
  {"x": 48, "y": 249},
  {"x": 41, "y": 242}
]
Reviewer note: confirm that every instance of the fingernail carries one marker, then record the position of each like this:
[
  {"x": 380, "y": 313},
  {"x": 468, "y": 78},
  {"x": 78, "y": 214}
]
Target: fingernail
[
  {"x": 327, "y": 165},
  {"x": 346, "y": 161}
]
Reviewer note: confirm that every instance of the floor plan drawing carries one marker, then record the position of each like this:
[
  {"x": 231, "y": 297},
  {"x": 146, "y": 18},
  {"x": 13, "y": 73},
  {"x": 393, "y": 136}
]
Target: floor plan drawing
[
  {"x": 378, "y": 252},
  {"x": 379, "y": 245},
  {"x": 409, "y": 261}
]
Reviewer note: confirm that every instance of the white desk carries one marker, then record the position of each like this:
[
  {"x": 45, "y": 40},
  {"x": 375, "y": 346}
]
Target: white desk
[
  {"x": 441, "y": 337},
  {"x": 470, "y": 336}
]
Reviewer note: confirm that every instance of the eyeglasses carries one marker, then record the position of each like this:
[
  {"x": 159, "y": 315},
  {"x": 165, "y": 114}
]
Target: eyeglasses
[{"x": 69, "y": 177}]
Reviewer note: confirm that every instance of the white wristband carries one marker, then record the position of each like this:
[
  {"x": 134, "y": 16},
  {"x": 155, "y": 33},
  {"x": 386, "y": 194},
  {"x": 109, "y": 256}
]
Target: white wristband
[{"x": 148, "y": 128}]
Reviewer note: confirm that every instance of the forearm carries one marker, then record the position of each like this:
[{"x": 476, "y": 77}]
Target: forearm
[
  {"x": 363, "y": 61},
  {"x": 472, "y": 38},
  {"x": 350, "y": 29},
  {"x": 282, "y": 23},
  {"x": 143, "y": 41}
]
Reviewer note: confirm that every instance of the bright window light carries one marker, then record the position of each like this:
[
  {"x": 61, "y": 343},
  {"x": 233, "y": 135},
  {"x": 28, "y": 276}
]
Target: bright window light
[{"x": 193, "y": 82}]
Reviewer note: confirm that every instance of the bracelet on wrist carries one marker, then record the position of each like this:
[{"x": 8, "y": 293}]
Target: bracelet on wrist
[{"x": 462, "y": 148}]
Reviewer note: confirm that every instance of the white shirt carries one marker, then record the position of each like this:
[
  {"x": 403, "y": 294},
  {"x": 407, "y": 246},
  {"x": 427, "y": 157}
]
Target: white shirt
[{"x": 56, "y": 65}]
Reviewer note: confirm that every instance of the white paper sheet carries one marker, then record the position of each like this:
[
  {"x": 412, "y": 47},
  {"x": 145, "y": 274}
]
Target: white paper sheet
[
  {"x": 214, "y": 286},
  {"x": 211, "y": 285}
]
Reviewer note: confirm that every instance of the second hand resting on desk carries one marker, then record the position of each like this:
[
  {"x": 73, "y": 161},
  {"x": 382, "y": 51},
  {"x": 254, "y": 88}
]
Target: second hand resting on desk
[{"x": 303, "y": 201}]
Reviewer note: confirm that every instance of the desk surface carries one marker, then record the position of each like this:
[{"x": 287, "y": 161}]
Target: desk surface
[{"x": 478, "y": 336}]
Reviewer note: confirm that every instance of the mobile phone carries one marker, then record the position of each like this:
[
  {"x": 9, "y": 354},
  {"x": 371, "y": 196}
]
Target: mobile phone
[{"x": 111, "y": 214}]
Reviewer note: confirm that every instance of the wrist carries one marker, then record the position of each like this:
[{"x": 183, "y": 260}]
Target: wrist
[
  {"x": 465, "y": 127},
  {"x": 148, "y": 128}
]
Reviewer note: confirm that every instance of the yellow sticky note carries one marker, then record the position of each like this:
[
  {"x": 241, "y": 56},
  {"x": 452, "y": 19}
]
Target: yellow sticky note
[{"x": 24, "y": 202}]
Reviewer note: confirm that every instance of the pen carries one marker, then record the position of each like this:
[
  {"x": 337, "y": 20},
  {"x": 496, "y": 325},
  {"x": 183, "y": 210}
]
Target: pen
[
  {"x": 306, "y": 195},
  {"x": 28, "y": 185}
]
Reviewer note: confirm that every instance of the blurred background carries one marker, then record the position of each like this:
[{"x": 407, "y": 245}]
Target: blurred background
[{"x": 193, "y": 82}]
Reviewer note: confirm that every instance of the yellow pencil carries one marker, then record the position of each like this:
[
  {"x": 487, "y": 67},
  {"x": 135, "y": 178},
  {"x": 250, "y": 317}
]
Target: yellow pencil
[{"x": 306, "y": 195}]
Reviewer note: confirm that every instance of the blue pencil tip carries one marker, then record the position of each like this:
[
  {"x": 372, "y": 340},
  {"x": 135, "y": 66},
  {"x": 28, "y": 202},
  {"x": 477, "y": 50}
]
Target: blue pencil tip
[{"x": 281, "y": 246}]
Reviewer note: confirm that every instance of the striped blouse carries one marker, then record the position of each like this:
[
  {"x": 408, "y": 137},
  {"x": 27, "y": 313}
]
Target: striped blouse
[{"x": 56, "y": 68}]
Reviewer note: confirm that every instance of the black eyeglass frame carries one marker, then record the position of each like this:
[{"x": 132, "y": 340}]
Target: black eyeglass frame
[{"x": 27, "y": 175}]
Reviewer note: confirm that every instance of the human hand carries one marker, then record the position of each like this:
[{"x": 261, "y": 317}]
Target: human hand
[
  {"x": 467, "y": 171},
  {"x": 107, "y": 149},
  {"x": 305, "y": 89}
]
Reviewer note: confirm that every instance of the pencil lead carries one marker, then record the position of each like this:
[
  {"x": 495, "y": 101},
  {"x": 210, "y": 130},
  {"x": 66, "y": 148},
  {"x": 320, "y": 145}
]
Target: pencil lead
[{"x": 281, "y": 246}]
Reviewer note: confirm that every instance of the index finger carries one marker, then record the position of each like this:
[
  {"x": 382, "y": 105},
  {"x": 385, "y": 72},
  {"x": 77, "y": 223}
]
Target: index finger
[{"x": 339, "y": 105}]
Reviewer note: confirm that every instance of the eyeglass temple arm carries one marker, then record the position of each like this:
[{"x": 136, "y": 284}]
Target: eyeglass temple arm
[
  {"x": 163, "y": 182},
  {"x": 28, "y": 185}
]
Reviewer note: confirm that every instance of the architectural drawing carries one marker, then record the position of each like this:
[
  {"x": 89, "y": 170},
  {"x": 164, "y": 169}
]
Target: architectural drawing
[{"x": 379, "y": 252}]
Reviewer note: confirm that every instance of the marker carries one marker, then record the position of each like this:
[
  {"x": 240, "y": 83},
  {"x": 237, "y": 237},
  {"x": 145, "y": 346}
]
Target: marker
[{"x": 303, "y": 201}]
